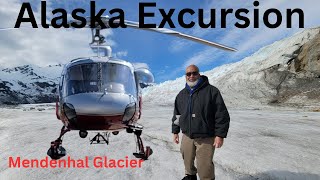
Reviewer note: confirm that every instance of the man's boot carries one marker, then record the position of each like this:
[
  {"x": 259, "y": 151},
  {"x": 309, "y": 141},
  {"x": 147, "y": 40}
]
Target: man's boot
[{"x": 190, "y": 177}]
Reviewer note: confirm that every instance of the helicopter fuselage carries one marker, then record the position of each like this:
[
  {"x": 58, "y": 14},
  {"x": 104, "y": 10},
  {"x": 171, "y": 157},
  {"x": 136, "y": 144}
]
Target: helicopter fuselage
[{"x": 99, "y": 93}]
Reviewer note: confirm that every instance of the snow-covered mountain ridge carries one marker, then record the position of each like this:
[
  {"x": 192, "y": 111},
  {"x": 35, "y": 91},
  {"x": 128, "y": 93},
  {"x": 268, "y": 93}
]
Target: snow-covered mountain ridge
[
  {"x": 29, "y": 84},
  {"x": 286, "y": 73}
]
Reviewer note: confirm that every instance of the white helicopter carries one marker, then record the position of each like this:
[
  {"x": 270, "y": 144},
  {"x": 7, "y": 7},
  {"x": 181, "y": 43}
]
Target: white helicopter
[{"x": 103, "y": 93}]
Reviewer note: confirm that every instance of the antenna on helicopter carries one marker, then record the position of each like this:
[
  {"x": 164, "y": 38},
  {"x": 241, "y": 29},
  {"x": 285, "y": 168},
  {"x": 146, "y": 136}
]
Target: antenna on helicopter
[
  {"x": 97, "y": 44},
  {"x": 97, "y": 37}
]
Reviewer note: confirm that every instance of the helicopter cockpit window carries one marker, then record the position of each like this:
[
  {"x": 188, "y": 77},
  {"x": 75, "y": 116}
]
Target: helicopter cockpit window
[
  {"x": 118, "y": 78},
  {"x": 82, "y": 79},
  {"x": 104, "y": 77}
]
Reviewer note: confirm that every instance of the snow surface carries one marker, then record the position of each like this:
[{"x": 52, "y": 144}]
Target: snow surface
[{"x": 261, "y": 144}]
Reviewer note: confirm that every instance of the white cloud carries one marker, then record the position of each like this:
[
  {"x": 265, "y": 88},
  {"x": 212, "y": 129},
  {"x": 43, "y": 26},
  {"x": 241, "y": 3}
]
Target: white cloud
[
  {"x": 178, "y": 44},
  {"x": 140, "y": 65},
  {"x": 200, "y": 58},
  {"x": 40, "y": 46},
  {"x": 121, "y": 54}
]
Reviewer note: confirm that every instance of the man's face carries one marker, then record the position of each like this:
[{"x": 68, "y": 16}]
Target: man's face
[{"x": 192, "y": 74}]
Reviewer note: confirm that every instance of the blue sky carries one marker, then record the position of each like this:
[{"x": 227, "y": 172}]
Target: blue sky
[{"x": 166, "y": 56}]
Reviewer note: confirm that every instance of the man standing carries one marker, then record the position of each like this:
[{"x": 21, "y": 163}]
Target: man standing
[{"x": 200, "y": 113}]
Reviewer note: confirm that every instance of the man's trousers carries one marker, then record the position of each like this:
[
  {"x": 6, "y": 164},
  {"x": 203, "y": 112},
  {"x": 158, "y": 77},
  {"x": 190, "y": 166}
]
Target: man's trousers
[{"x": 202, "y": 150}]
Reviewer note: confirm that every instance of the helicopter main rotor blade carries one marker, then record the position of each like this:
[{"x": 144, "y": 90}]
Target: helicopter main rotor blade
[
  {"x": 10, "y": 28},
  {"x": 13, "y": 28},
  {"x": 181, "y": 35},
  {"x": 135, "y": 25}
]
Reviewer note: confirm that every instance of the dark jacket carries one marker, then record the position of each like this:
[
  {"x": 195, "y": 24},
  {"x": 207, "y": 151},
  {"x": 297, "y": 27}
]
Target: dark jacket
[{"x": 202, "y": 112}]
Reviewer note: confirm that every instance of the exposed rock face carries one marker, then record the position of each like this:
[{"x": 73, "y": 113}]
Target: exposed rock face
[
  {"x": 298, "y": 81},
  {"x": 308, "y": 60},
  {"x": 293, "y": 88}
]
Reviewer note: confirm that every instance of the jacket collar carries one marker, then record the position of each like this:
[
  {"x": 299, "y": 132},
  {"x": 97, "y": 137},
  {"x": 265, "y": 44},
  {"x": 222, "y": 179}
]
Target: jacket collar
[{"x": 203, "y": 80}]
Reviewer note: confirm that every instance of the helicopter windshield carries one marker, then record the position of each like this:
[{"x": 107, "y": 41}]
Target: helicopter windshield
[{"x": 100, "y": 77}]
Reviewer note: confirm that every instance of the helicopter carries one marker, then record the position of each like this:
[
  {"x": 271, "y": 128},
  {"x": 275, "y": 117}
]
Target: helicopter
[{"x": 102, "y": 93}]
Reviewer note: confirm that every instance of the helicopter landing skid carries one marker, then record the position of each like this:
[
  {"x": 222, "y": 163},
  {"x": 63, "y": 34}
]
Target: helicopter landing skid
[
  {"x": 141, "y": 154},
  {"x": 56, "y": 151},
  {"x": 100, "y": 139}
]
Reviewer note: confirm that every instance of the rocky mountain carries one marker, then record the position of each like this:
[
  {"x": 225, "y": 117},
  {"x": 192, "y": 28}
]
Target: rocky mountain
[
  {"x": 285, "y": 73},
  {"x": 29, "y": 84}
]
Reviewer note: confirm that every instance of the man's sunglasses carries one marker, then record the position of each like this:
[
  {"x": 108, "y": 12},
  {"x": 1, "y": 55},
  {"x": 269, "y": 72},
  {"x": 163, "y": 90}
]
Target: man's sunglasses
[{"x": 193, "y": 73}]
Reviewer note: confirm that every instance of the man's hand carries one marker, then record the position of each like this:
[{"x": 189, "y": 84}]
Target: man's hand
[
  {"x": 176, "y": 138},
  {"x": 218, "y": 142}
]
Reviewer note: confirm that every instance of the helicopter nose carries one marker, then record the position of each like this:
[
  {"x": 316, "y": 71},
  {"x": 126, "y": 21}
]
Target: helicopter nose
[{"x": 98, "y": 103}]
